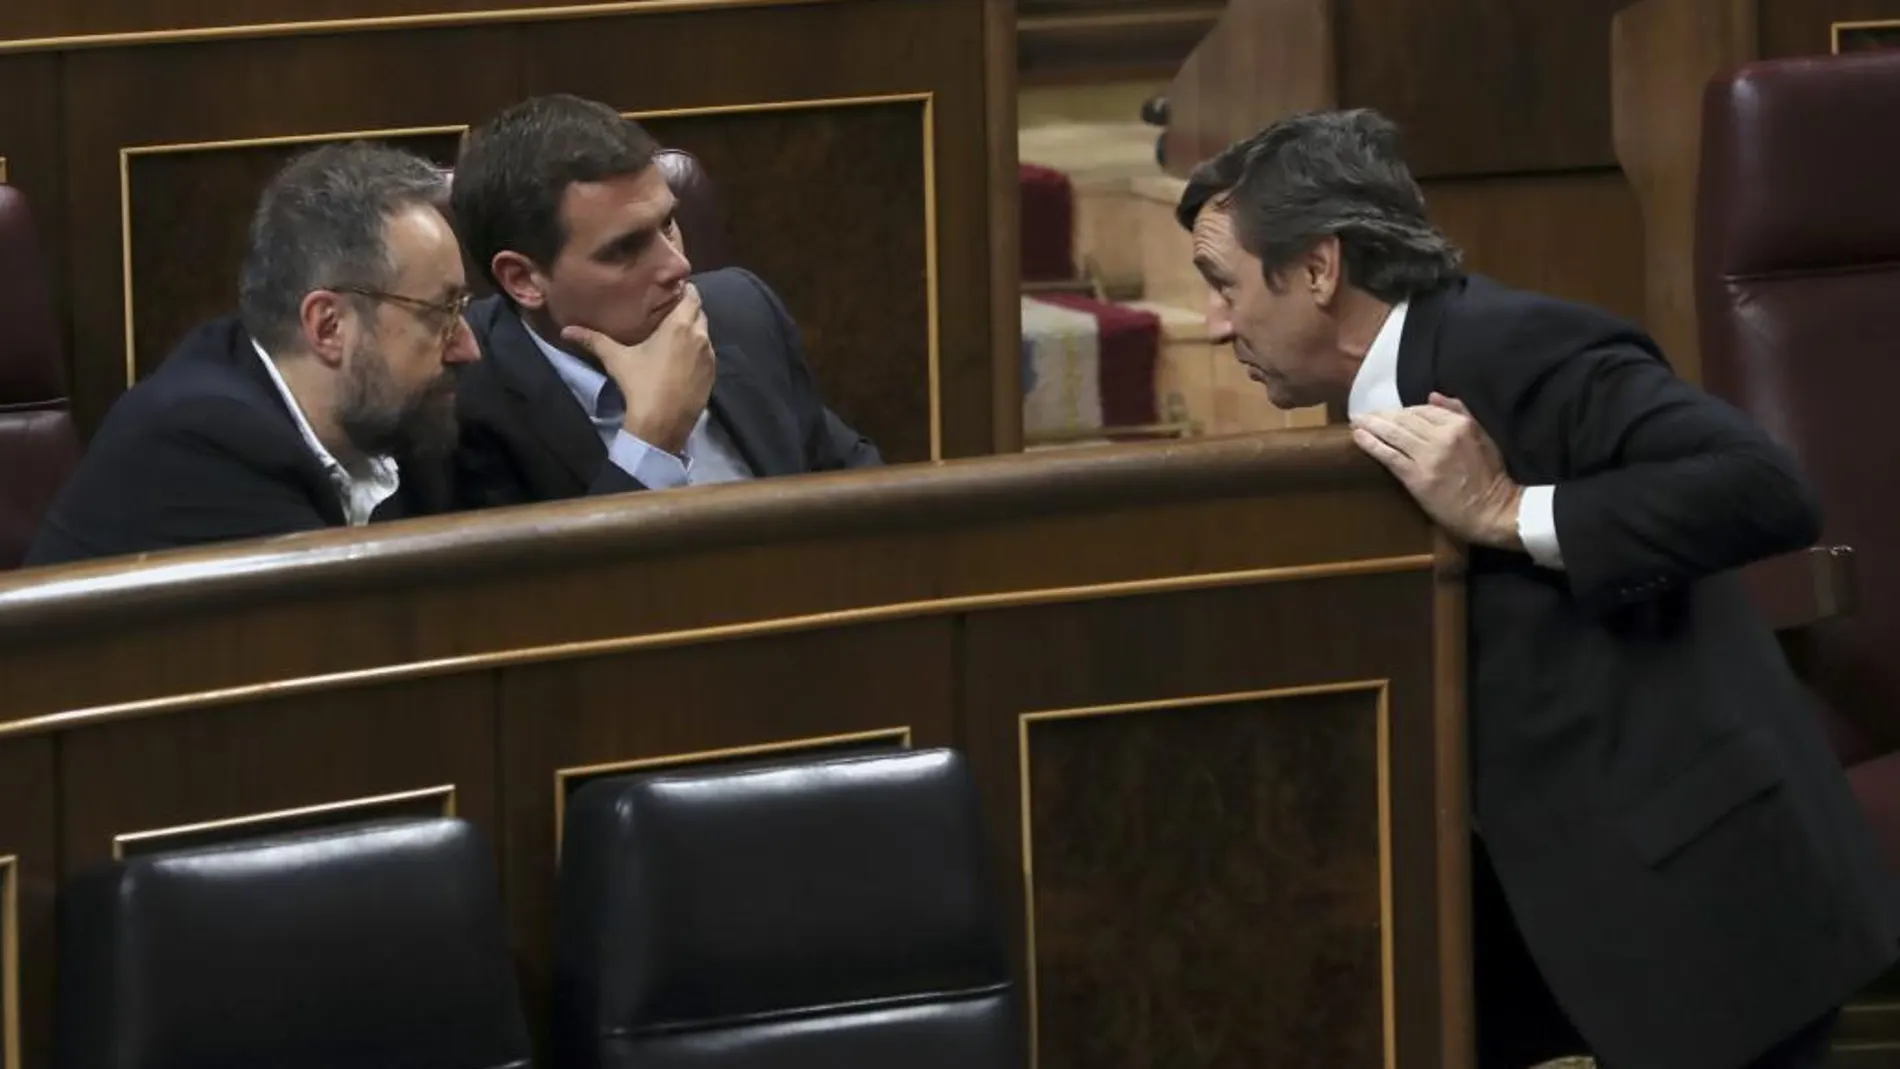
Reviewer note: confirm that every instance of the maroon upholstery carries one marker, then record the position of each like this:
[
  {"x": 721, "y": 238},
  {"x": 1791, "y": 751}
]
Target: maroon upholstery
[
  {"x": 1798, "y": 296},
  {"x": 39, "y": 444}
]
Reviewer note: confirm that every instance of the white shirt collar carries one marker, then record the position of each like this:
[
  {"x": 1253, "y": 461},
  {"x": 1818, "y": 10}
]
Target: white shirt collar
[
  {"x": 1376, "y": 387},
  {"x": 360, "y": 496}
]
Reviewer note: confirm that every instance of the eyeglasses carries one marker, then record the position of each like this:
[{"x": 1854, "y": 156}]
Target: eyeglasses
[{"x": 450, "y": 310}]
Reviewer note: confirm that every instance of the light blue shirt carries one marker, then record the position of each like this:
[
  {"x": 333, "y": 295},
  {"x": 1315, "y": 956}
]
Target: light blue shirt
[{"x": 710, "y": 455}]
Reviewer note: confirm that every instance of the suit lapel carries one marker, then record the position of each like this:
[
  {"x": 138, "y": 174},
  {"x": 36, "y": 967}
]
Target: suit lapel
[
  {"x": 757, "y": 423},
  {"x": 1418, "y": 346},
  {"x": 553, "y": 414}
]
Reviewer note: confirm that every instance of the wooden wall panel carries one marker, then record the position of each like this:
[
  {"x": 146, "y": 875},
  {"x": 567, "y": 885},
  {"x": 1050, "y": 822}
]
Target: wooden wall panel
[
  {"x": 1172, "y": 654},
  {"x": 1485, "y": 86},
  {"x": 848, "y": 185},
  {"x": 168, "y": 17},
  {"x": 1577, "y": 235},
  {"x": 229, "y": 762},
  {"x": 1800, "y": 27}
]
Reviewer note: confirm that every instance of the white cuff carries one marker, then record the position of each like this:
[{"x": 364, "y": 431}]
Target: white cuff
[{"x": 1537, "y": 526}]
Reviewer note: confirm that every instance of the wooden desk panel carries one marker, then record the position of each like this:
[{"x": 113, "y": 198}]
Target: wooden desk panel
[{"x": 1271, "y": 615}]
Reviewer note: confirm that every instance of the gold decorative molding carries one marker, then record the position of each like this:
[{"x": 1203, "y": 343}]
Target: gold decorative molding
[
  {"x": 428, "y": 21},
  {"x": 10, "y": 960},
  {"x": 1835, "y": 30},
  {"x": 91, "y": 716},
  {"x": 566, "y": 780},
  {"x": 1379, "y": 687},
  {"x": 3, "y": 170},
  {"x": 304, "y": 817},
  {"x": 927, "y": 106}
]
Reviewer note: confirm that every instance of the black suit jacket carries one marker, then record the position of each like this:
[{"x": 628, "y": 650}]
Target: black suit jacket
[
  {"x": 525, "y": 439},
  {"x": 1677, "y": 841},
  {"x": 204, "y": 450}
]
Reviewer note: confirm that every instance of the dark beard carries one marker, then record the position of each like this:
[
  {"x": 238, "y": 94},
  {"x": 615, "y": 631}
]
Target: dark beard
[{"x": 378, "y": 421}]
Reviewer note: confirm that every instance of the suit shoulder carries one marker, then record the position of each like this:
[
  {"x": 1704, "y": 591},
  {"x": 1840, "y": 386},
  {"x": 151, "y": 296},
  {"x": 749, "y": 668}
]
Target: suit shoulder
[{"x": 1485, "y": 320}]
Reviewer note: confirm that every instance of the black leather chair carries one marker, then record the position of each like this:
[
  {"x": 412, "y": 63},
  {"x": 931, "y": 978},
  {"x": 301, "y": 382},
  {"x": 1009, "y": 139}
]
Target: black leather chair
[
  {"x": 831, "y": 913},
  {"x": 343, "y": 949}
]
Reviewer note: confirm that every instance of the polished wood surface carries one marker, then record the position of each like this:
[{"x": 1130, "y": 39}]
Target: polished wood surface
[
  {"x": 1274, "y": 606},
  {"x": 852, "y": 138},
  {"x": 1665, "y": 53},
  {"x": 1077, "y": 41}
]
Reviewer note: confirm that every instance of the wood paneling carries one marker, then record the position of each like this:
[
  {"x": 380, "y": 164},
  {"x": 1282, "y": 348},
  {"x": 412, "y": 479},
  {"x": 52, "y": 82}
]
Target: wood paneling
[
  {"x": 1075, "y": 41},
  {"x": 1574, "y": 235},
  {"x": 87, "y": 17},
  {"x": 1800, "y": 27},
  {"x": 1154, "y": 830},
  {"x": 1173, "y": 652},
  {"x": 1485, "y": 86},
  {"x": 830, "y": 205},
  {"x": 946, "y": 601}
]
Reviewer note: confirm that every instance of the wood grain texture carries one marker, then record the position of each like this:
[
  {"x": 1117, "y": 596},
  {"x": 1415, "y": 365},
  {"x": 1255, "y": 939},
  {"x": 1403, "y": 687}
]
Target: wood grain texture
[
  {"x": 1207, "y": 884},
  {"x": 30, "y": 136},
  {"x": 1176, "y": 649},
  {"x": 1485, "y": 86},
  {"x": 1577, "y": 236},
  {"x": 90, "y": 17}
]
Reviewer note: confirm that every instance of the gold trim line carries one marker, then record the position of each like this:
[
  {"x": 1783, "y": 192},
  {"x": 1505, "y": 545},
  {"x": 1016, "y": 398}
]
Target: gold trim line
[
  {"x": 900, "y": 735},
  {"x": 432, "y": 20},
  {"x": 444, "y": 792},
  {"x": 1834, "y": 30},
  {"x": 282, "y": 688},
  {"x": 1381, "y": 687}
]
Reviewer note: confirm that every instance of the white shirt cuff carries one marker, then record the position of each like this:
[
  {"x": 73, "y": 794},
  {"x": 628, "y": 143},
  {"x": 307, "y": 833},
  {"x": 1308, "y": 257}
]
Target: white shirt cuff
[
  {"x": 1537, "y": 526},
  {"x": 655, "y": 468}
]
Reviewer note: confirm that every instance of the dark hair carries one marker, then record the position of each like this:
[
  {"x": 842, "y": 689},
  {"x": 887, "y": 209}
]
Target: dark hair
[
  {"x": 516, "y": 168},
  {"x": 323, "y": 221},
  {"x": 1328, "y": 173}
]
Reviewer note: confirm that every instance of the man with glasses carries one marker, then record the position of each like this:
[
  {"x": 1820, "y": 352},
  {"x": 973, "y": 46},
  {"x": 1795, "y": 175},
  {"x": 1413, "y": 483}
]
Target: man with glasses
[{"x": 291, "y": 415}]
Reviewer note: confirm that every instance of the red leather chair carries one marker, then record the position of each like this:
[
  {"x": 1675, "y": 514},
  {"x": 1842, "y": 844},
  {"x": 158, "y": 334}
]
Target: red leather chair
[
  {"x": 1798, "y": 295},
  {"x": 39, "y": 444}
]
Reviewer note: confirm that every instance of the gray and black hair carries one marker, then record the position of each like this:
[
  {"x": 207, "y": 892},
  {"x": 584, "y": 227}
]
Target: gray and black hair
[
  {"x": 1328, "y": 174},
  {"x": 322, "y": 221}
]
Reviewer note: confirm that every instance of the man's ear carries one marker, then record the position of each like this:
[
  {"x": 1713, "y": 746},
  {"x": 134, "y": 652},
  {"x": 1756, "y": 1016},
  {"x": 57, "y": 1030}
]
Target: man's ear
[
  {"x": 324, "y": 315},
  {"x": 519, "y": 278},
  {"x": 1323, "y": 270}
]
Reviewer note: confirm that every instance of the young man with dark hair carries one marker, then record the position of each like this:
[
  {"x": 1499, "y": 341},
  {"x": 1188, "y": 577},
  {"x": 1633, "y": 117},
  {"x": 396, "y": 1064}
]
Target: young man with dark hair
[
  {"x": 608, "y": 366},
  {"x": 1668, "y": 870}
]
